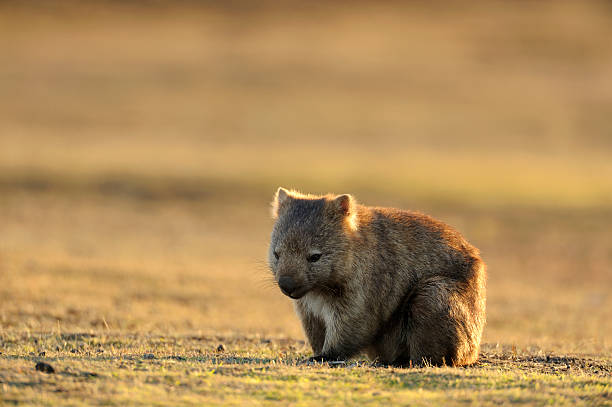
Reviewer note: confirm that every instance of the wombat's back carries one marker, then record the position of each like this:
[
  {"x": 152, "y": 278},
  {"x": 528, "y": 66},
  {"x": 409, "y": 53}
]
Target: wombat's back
[{"x": 416, "y": 243}]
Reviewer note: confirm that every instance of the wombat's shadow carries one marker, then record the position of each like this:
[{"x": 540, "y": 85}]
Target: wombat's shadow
[{"x": 497, "y": 361}]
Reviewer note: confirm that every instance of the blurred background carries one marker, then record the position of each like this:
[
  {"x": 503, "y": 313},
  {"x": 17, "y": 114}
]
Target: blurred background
[{"x": 141, "y": 143}]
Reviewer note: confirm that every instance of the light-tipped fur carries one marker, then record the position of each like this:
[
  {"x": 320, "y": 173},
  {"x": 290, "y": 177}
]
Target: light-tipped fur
[{"x": 398, "y": 285}]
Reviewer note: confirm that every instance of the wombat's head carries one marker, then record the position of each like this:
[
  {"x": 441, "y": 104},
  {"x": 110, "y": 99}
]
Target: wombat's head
[{"x": 310, "y": 245}]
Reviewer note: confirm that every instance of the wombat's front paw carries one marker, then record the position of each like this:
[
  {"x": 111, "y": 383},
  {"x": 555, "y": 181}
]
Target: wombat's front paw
[
  {"x": 325, "y": 359},
  {"x": 317, "y": 359}
]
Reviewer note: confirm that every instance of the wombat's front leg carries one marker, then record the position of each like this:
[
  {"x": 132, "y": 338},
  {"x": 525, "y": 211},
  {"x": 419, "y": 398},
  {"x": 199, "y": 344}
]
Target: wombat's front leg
[
  {"x": 341, "y": 343},
  {"x": 314, "y": 328}
]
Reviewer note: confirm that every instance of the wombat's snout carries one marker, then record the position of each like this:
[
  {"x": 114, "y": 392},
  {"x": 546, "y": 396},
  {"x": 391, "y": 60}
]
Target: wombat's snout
[{"x": 290, "y": 287}]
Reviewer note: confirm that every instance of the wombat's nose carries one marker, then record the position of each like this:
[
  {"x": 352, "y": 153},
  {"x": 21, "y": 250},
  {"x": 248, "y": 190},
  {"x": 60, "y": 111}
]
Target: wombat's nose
[{"x": 287, "y": 285}]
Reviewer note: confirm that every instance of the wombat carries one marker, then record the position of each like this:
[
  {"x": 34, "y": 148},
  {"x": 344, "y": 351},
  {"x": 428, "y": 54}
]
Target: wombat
[{"x": 400, "y": 286}]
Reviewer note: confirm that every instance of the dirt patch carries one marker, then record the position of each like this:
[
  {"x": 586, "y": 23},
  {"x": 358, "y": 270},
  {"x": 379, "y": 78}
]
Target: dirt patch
[{"x": 549, "y": 364}]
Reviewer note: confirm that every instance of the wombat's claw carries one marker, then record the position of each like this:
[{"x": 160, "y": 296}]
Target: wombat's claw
[{"x": 317, "y": 359}]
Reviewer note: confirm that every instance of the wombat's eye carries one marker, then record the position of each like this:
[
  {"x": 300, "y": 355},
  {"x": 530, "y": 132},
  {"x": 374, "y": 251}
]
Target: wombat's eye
[
  {"x": 314, "y": 257},
  {"x": 276, "y": 254}
]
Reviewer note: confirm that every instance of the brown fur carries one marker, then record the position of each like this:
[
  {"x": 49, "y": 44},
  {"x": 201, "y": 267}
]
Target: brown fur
[{"x": 399, "y": 285}]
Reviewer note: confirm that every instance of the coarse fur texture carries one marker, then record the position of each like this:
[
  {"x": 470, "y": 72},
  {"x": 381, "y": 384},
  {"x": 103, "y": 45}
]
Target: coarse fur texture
[{"x": 399, "y": 285}]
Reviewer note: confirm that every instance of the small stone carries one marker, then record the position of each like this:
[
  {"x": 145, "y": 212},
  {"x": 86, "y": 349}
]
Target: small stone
[
  {"x": 221, "y": 348},
  {"x": 148, "y": 356},
  {"x": 41, "y": 353},
  {"x": 89, "y": 374},
  {"x": 44, "y": 367}
]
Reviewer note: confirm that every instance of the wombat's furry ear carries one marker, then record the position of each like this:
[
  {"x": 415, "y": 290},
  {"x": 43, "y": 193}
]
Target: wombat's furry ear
[
  {"x": 344, "y": 203},
  {"x": 281, "y": 196}
]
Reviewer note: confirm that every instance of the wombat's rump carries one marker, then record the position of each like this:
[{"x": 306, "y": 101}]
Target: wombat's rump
[{"x": 398, "y": 285}]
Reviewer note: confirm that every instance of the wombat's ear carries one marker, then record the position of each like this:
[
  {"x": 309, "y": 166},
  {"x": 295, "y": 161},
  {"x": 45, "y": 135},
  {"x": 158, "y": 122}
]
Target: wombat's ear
[
  {"x": 281, "y": 196},
  {"x": 345, "y": 203}
]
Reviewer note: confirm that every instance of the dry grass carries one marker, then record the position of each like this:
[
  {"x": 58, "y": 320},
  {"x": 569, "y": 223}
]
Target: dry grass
[
  {"x": 162, "y": 370},
  {"x": 139, "y": 148}
]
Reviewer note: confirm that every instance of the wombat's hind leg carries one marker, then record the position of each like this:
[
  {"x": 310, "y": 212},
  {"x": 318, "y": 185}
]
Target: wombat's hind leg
[{"x": 435, "y": 336}]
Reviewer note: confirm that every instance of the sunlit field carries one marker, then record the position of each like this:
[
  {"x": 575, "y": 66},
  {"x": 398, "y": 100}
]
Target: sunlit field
[{"x": 141, "y": 144}]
